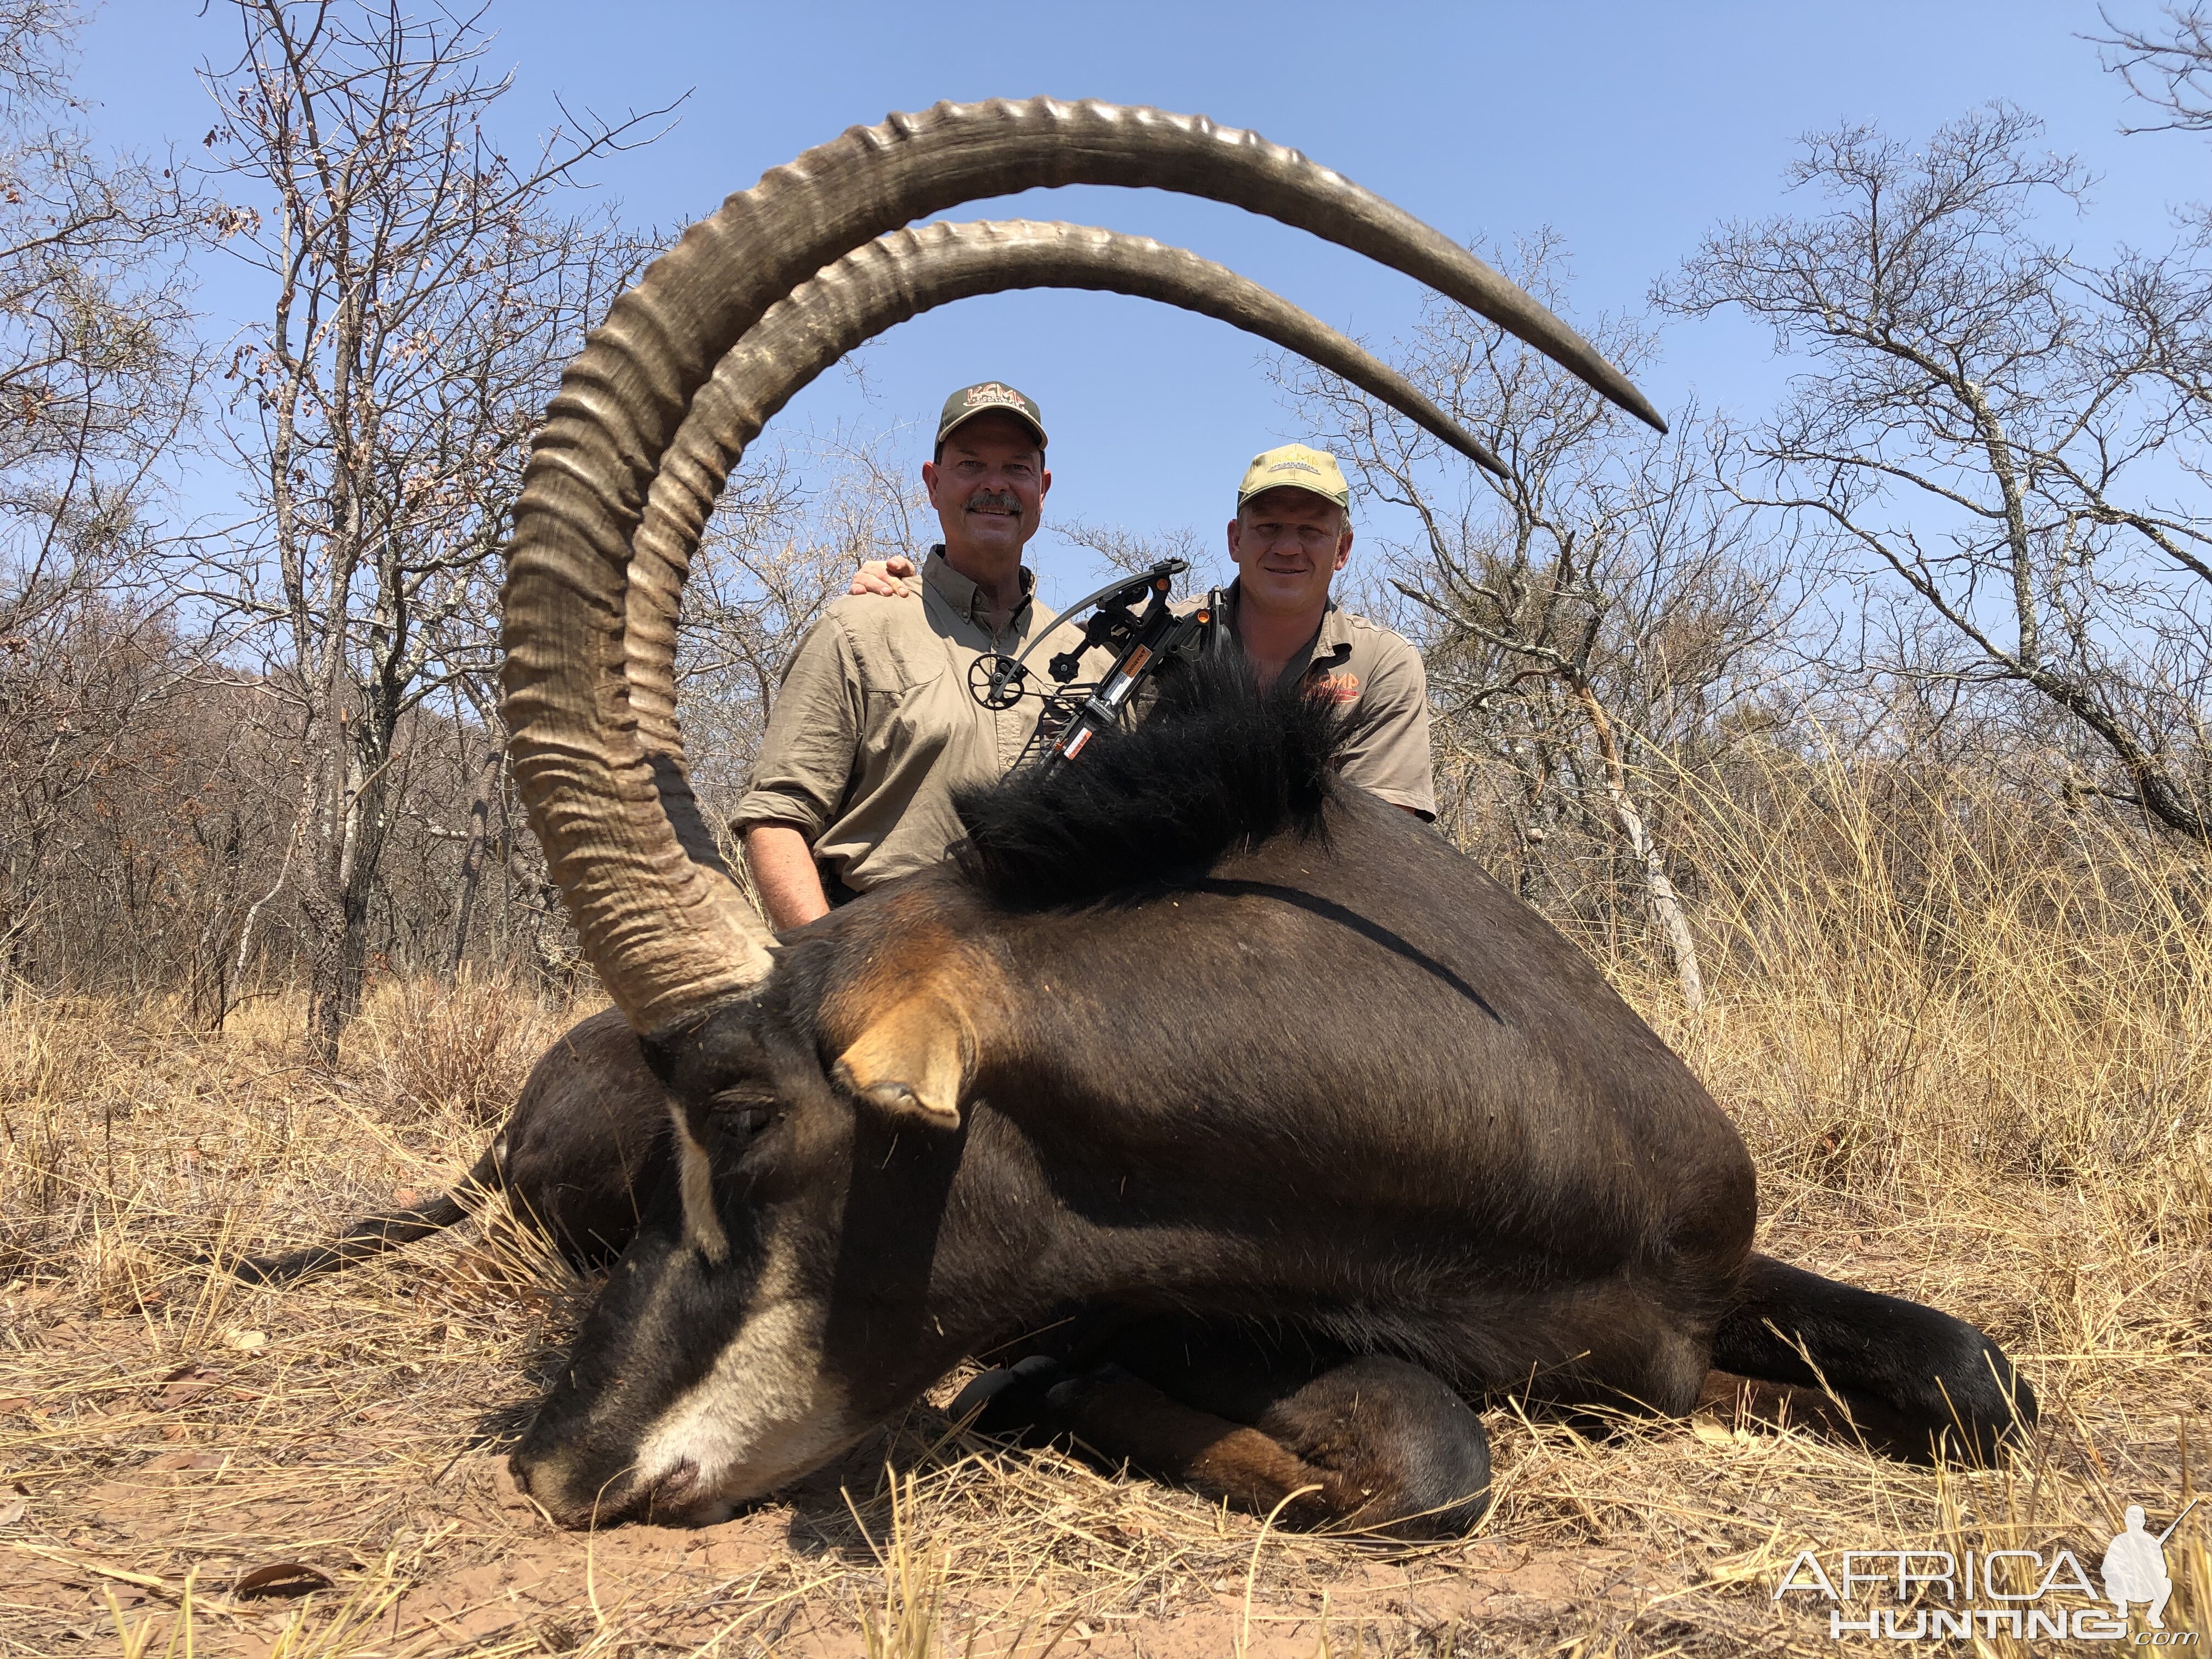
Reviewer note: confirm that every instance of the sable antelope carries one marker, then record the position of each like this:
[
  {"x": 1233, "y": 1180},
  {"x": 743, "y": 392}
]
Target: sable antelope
[{"x": 1321, "y": 1131}]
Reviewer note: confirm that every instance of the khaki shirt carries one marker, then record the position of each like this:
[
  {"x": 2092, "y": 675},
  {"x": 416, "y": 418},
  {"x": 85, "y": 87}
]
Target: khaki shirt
[
  {"x": 1376, "y": 677},
  {"x": 875, "y": 727}
]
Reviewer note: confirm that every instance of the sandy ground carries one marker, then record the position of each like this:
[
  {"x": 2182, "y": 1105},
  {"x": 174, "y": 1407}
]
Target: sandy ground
[{"x": 179, "y": 1453}]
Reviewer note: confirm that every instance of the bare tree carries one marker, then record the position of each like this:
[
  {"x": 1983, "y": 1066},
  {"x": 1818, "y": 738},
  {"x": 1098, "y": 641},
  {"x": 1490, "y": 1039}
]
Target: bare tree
[
  {"x": 97, "y": 364},
  {"x": 2171, "y": 70},
  {"x": 425, "y": 289},
  {"x": 2164, "y": 299},
  {"x": 1584, "y": 615},
  {"x": 1985, "y": 424},
  {"x": 97, "y": 379}
]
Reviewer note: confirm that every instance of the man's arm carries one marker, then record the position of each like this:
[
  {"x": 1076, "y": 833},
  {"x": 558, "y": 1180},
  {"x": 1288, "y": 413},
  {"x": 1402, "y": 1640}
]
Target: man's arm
[
  {"x": 799, "y": 776},
  {"x": 783, "y": 871}
]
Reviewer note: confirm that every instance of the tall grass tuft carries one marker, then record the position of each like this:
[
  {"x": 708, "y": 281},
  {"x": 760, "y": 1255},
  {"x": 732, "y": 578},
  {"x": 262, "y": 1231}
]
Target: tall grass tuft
[
  {"x": 1919, "y": 980},
  {"x": 432, "y": 1049}
]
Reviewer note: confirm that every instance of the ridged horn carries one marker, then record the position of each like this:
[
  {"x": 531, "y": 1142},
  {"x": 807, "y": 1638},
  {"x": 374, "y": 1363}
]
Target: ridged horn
[
  {"x": 590, "y": 786},
  {"x": 873, "y": 288}
]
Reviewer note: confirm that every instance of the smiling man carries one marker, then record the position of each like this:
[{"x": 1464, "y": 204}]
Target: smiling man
[
  {"x": 1292, "y": 535},
  {"x": 874, "y": 727}
]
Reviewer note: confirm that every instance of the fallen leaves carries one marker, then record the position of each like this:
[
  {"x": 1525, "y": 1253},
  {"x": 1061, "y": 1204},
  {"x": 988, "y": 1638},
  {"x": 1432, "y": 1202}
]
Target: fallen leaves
[
  {"x": 280, "y": 1578},
  {"x": 185, "y": 1385}
]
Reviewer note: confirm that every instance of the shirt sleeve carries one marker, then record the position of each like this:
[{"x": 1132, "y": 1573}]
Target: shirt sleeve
[
  {"x": 1387, "y": 751},
  {"x": 807, "y": 756}
]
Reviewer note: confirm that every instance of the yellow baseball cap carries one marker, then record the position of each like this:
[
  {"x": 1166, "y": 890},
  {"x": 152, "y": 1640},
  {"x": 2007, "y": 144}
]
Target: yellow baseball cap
[
  {"x": 989, "y": 397},
  {"x": 1295, "y": 466}
]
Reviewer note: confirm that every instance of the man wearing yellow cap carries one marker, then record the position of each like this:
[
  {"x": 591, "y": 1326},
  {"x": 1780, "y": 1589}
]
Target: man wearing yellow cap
[
  {"x": 874, "y": 727},
  {"x": 1292, "y": 534}
]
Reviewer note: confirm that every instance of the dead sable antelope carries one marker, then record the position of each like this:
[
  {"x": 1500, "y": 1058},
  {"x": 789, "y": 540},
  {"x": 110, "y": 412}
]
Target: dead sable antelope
[{"x": 1321, "y": 1132}]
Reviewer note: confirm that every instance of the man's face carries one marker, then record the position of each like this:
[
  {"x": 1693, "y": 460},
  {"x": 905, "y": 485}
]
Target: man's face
[
  {"x": 988, "y": 486},
  {"x": 1288, "y": 545}
]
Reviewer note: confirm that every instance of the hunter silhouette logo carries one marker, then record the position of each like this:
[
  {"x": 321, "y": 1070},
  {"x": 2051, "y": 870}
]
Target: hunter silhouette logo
[
  {"x": 1979, "y": 1595},
  {"x": 2135, "y": 1567}
]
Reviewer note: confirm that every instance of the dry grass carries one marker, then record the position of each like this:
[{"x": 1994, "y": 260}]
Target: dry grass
[
  {"x": 435, "y": 1051},
  {"x": 1972, "y": 1053}
]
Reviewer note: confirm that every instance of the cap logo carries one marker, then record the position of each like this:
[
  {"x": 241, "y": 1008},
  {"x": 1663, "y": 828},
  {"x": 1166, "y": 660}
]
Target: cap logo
[
  {"x": 991, "y": 393},
  {"x": 1295, "y": 466}
]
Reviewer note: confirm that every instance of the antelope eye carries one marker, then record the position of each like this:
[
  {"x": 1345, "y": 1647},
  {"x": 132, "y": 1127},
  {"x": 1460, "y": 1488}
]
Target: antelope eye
[{"x": 741, "y": 1111}]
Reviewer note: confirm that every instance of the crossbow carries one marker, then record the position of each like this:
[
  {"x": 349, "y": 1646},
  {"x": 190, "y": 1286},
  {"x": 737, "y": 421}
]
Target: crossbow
[{"x": 1073, "y": 712}]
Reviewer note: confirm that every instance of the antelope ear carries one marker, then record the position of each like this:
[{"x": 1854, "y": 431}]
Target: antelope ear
[{"x": 912, "y": 1060}]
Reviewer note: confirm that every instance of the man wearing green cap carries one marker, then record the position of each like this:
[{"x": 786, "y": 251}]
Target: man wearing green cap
[
  {"x": 1292, "y": 535},
  {"x": 874, "y": 727}
]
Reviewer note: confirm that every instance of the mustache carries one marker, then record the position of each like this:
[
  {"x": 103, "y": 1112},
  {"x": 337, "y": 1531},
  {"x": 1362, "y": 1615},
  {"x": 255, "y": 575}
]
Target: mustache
[{"x": 1004, "y": 500}]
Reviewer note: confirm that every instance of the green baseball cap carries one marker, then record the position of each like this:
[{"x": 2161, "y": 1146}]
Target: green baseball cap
[
  {"x": 989, "y": 397},
  {"x": 1295, "y": 466}
]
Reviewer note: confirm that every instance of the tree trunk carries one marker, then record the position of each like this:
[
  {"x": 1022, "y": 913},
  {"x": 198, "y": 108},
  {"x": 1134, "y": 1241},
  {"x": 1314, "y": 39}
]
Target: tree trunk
[
  {"x": 333, "y": 972},
  {"x": 1659, "y": 893},
  {"x": 322, "y": 898},
  {"x": 343, "y": 878},
  {"x": 472, "y": 860}
]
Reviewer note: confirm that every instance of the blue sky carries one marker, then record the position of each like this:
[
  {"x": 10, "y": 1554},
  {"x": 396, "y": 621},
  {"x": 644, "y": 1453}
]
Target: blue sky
[{"x": 1628, "y": 129}]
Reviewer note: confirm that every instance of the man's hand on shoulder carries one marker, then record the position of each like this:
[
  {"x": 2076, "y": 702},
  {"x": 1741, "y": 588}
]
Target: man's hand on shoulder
[{"x": 887, "y": 579}]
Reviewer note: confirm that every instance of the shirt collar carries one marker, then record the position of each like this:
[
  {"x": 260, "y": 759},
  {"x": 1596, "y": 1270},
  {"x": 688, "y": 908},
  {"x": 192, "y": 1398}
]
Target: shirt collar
[
  {"x": 1330, "y": 645},
  {"x": 963, "y": 596}
]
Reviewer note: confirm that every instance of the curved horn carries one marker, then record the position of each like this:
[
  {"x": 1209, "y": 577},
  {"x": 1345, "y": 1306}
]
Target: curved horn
[
  {"x": 873, "y": 288},
  {"x": 591, "y": 788}
]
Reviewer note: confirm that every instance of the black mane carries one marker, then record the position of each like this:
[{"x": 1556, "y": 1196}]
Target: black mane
[{"x": 1218, "y": 763}]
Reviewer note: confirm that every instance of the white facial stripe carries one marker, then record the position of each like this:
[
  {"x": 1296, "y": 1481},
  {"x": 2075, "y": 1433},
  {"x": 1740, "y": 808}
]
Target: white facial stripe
[
  {"x": 765, "y": 1413},
  {"x": 702, "y": 1227}
]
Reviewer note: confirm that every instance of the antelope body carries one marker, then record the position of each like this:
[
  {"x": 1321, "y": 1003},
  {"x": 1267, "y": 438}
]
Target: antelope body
[{"x": 1294, "y": 1130}]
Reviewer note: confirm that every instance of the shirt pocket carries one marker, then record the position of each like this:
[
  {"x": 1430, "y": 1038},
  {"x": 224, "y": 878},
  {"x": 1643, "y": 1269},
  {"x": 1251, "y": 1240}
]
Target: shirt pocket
[{"x": 911, "y": 730}]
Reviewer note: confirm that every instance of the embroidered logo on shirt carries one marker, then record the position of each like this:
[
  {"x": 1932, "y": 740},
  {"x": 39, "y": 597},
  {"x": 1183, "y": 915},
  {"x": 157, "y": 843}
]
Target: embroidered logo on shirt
[{"x": 1336, "y": 688}]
